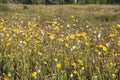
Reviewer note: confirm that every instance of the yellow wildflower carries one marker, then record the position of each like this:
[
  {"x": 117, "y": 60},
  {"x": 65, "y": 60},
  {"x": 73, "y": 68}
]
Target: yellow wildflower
[
  {"x": 45, "y": 62},
  {"x": 78, "y": 35},
  {"x": 86, "y": 43},
  {"x": 75, "y": 72},
  {"x": 83, "y": 34},
  {"x": 56, "y": 28},
  {"x": 52, "y": 36},
  {"x": 60, "y": 39},
  {"x": 9, "y": 74},
  {"x": 54, "y": 22},
  {"x": 34, "y": 74},
  {"x": 72, "y": 36},
  {"x": 58, "y": 65},
  {"x": 80, "y": 62},
  {"x": 72, "y": 17},
  {"x": 113, "y": 75},
  {"x": 73, "y": 64},
  {"x": 103, "y": 47},
  {"x": 5, "y": 78},
  {"x": 66, "y": 44},
  {"x": 118, "y": 25},
  {"x": 66, "y": 38},
  {"x": 112, "y": 35}
]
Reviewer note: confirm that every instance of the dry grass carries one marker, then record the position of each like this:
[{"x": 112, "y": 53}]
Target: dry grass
[{"x": 60, "y": 42}]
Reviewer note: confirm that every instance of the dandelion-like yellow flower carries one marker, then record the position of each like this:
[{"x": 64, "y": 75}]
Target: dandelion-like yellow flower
[
  {"x": 34, "y": 74},
  {"x": 54, "y": 22},
  {"x": 73, "y": 64},
  {"x": 83, "y": 34},
  {"x": 45, "y": 62},
  {"x": 112, "y": 35},
  {"x": 118, "y": 25},
  {"x": 66, "y": 44},
  {"x": 72, "y": 17},
  {"x": 56, "y": 28},
  {"x": 5, "y": 78},
  {"x": 104, "y": 48},
  {"x": 58, "y": 65},
  {"x": 52, "y": 36},
  {"x": 9, "y": 74},
  {"x": 113, "y": 75},
  {"x": 80, "y": 62},
  {"x": 75, "y": 72},
  {"x": 72, "y": 36}
]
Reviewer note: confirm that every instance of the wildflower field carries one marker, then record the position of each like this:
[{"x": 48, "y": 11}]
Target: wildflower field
[{"x": 59, "y": 42}]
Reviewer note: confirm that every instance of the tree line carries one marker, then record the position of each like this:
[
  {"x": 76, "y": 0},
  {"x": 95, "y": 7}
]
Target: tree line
[{"x": 61, "y": 1}]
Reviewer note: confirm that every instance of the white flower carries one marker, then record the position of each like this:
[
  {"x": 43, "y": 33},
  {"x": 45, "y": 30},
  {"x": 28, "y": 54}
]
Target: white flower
[
  {"x": 55, "y": 59},
  {"x": 99, "y": 35},
  {"x": 99, "y": 53},
  {"x": 108, "y": 44},
  {"x": 71, "y": 75},
  {"x": 83, "y": 68},
  {"x": 93, "y": 61},
  {"x": 73, "y": 47},
  {"x": 38, "y": 70},
  {"x": 68, "y": 25}
]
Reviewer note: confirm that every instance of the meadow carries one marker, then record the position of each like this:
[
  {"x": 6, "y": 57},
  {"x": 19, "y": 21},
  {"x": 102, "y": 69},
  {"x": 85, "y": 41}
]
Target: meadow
[{"x": 59, "y": 42}]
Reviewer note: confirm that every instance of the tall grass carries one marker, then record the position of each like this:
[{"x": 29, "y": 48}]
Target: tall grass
[{"x": 60, "y": 43}]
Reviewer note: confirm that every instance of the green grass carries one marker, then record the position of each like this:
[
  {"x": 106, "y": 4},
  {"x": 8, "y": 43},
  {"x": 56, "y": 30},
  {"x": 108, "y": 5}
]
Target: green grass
[{"x": 59, "y": 42}]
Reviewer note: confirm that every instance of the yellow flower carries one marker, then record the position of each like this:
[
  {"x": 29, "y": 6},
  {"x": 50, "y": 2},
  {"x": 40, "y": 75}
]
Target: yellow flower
[
  {"x": 72, "y": 36},
  {"x": 104, "y": 48},
  {"x": 80, "y": 62},
  {"x": 66, "y": 44},
  {"x": 52, "y": 36},
  {"x": 83, "y": 34},
  {"x": 29, "y": 23},
  {"x": 75, "y": 72},
  {"x": 112, "y": 35},
  {"x": 113, "y": 75},
  {"x": 66, "y": 38},
  {"x": 72, "y": 17},
  {"x": 56, "y": 28},
  {"x": 60, "y": 39},
  {"x": 58, "y": 65},
  {"x": 34, "y": 74},
  {"x": 73, "y": 64},
  {"x": 5, "y": 78},
  {"x": 86, "y": 43},
  {"x": 45, "y": 62},
  {"x": 78, "y": 35},
  {"x": 9, "y": 74},
  {"x": 54, "y": 22},
  {"x": 118, "y": 43},
  {"x": 118, "y": 25}
]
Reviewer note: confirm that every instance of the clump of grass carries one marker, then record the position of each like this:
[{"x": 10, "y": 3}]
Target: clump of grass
[{"x": 4, "y": 7}]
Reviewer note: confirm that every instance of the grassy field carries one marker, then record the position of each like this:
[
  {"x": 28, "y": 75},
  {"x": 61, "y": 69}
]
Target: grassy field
[{"x": 59, "y": 42}]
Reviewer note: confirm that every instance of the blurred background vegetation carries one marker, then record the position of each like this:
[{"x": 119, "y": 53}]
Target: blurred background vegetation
[{"x": 61, "y": 1}]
